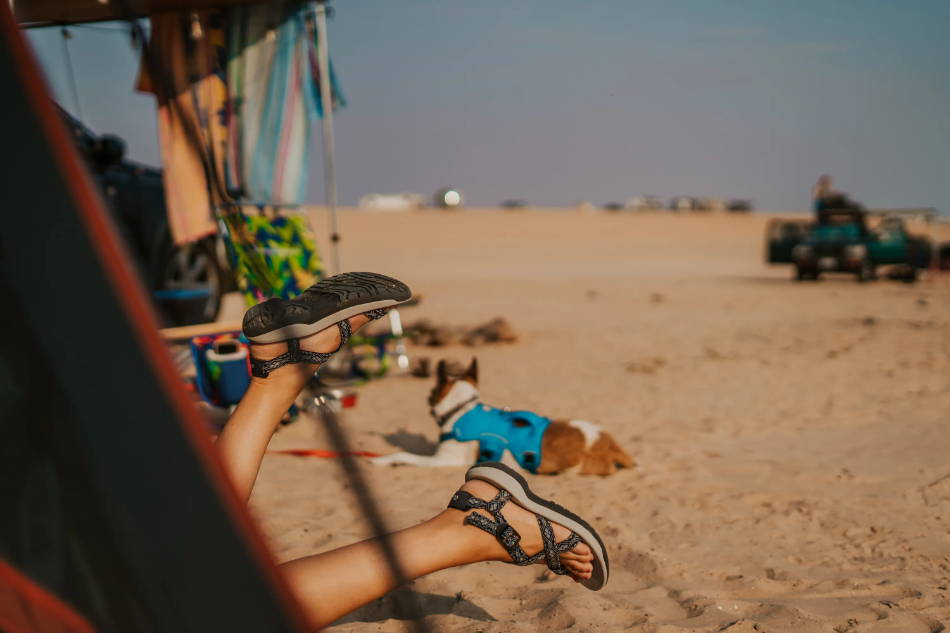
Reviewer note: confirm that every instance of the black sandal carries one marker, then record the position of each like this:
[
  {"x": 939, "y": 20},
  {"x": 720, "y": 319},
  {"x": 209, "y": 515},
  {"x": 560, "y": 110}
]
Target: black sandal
[
  {"x": 332, "y": 300},
  {"x": 513, "y": 486},
  {"x": 261, "y": 368}
]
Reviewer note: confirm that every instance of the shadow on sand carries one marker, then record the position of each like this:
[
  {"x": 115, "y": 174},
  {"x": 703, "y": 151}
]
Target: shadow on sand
[
  {"x": 768, "y": 280},
  {"x": 394, "y": 607},
  {"x": 411, "y": 442}
]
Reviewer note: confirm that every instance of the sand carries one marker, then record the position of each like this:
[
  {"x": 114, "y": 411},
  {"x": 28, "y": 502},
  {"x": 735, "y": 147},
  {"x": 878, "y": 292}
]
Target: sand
[{"x": 792, "y": 439}]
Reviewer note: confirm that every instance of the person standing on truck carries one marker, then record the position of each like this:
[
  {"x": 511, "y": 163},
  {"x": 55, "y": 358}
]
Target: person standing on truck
[
  {"x": 821, "y": 192},
  {"x": 831, "y": 205}
]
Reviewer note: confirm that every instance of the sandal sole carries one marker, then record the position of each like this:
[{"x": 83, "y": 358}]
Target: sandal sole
[
  {"x": 302, "y": 330},
  {"x": 351, "y": 281},
  {"x": 502, "y": 476}
]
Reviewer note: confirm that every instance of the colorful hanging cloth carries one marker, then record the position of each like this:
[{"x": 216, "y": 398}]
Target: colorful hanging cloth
[
  {"x": 274, "y": 90},
  {"x": 271, "y": 256}
]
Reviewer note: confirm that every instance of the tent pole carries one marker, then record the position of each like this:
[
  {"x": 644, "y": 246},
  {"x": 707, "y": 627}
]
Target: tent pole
[{"x": 329, "y": 164}]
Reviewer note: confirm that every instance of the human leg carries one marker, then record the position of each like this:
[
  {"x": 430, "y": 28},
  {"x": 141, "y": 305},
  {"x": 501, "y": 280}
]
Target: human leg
[
  {"x": 296, "y": 336},
  {"x": 244, "y": 439},
  {"x": 331, "y": 584}
]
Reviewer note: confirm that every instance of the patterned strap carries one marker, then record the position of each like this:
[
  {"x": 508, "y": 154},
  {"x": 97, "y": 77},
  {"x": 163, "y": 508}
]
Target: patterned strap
[
  {"x": 261, "y": 368},
  {"x": 378, "y": 313},
  {"x": 508, "y": 536}
]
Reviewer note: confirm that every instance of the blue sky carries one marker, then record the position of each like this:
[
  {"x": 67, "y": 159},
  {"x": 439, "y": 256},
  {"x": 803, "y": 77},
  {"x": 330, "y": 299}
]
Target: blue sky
[{"x": 556, "y": 102}]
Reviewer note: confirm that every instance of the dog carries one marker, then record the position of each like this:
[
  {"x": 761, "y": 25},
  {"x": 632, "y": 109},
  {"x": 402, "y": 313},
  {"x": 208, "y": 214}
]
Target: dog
[{"x": 473, "y": 432}]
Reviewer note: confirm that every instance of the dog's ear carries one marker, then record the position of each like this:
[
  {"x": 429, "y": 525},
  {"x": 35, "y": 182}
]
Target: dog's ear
[
  {"x": 472, "y": 371},
  {"x": 442, "y": 372}
]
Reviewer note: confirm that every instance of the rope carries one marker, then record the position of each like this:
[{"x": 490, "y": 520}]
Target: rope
[
  {"x": 70, "y": 73},
  {"x": 95, "y": 27}
]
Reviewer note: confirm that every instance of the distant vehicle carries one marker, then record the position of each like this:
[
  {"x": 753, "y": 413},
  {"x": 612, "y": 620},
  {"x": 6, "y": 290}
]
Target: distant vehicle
[
  {"x": 613, "y": 206},
  {"x": 513, "y": 204},
  {"x": 715, "y": 205},
  {"x": 681, "y": 203},
  {"x": 739, "y": 206},
  {"x": 186, "y": 282},
  {"x": 842, "y": 243},
  {"x": 645, "y": 203},
  {"x": 392, "y": 201},
  {"x": 448, "y": 198},
  {"x": 684, "y": 203}
]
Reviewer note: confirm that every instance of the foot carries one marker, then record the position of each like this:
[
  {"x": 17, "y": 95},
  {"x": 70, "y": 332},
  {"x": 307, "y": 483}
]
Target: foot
[
  {"x": 324, "y": 341},
  {"x": 321, "y": 305},
  {"x": 578, "y": 561}
]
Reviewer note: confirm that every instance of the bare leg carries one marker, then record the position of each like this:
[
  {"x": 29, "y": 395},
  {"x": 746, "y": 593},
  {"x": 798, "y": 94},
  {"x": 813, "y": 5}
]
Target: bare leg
[
  {"x": 244, "y": 440},
  {"x": 332, "y": 584}
]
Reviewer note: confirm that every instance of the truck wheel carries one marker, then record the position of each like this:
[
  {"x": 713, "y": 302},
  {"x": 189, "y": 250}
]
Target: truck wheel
[
  {"x": 189, "y": 284},
  {"x": 866, "y": 272},
  {"x": 804, "y": 274}
]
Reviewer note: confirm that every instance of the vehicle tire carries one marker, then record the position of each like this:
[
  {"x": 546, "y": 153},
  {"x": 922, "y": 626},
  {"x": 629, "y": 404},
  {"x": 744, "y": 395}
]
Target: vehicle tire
[
  {"x": 805, "y": 274},
  {"x": 919, "y": 252},
  {"x": 189, "y": 283},
  {"x": 866, "y": 272}
]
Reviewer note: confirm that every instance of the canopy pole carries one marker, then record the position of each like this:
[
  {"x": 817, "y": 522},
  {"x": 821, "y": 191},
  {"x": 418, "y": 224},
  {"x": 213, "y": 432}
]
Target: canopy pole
[{"x": 329, "y": 149}]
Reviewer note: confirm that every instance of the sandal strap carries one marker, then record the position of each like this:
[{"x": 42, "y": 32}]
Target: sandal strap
[
  {"x": 508, "y": 536},
  {"x": 378, "y": 313},
  {"x": 262, "y": 368},
  {"x": 553, "y": 549}
]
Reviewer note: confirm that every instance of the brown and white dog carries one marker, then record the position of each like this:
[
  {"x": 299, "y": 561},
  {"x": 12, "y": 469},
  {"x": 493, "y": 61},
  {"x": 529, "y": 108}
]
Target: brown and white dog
[{"x": 566, "y": 445}]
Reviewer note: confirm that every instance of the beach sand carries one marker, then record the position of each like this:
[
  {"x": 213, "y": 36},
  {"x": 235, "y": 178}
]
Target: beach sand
[{"x": 792, "y": 439}]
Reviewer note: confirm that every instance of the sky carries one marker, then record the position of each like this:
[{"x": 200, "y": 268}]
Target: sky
[{"x": 556, "y": 102}]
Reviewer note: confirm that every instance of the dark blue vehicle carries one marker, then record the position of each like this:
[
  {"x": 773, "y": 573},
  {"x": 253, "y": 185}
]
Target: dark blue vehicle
[{"x": 186, "y": 282}]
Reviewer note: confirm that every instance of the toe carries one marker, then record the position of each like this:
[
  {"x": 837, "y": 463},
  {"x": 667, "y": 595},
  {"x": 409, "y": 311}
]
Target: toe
[
  {"x": 580, "y": 552},
  {"x": 579, "y": 569}
]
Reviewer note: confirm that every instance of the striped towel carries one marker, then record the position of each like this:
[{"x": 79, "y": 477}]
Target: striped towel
[{"x": 274, "y": 90}]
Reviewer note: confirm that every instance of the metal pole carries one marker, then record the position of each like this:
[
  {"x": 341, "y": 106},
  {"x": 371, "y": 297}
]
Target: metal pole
[{"x": 329, "y": 164}]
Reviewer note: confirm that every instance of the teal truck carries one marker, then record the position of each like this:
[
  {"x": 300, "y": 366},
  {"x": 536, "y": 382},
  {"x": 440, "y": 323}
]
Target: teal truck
[{"x": 842, "y": 242}]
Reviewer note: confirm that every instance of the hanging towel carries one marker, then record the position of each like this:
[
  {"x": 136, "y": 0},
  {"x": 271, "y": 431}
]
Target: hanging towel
[
  {"x": 274, "y": 92},
  {"x": 192, "y": 117}
]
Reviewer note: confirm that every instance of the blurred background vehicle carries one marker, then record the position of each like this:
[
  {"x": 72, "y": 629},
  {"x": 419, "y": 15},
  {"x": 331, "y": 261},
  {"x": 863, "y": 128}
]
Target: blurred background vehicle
[
  {"x": 645, "y": 203},
  {"x": 842, "y": 242},
  {"x": 739, "y": 206},
  {"x": 186, "y": 282},
  {"x": 392, "y": 201},
  {"x": 683, "y": 203},
  {"x": 716, "y": 205},
  {"x": 944, "y": 256}
]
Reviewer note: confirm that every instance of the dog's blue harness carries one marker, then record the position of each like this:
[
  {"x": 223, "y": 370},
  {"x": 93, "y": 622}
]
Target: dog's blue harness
[{"x": 497, "y": 430}]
